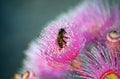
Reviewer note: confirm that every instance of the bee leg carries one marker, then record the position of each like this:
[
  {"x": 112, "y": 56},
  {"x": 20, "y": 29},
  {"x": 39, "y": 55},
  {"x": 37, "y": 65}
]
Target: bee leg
[
  {"x": 64, "y": 42},
  {"x": 66, "y": 37}
]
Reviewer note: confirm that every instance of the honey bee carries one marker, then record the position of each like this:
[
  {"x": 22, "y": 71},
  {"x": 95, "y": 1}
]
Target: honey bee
[{"x": 61, "y": 34}]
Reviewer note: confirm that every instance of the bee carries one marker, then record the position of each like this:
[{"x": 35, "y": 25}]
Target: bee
[{"x": 60, "y": 39}]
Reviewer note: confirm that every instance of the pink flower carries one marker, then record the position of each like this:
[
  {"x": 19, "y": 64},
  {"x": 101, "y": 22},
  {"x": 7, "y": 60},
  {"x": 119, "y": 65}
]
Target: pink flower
[
  {"x": 99, "y": 63},
  {"x": 49, "y": 55},
  {"x": 57, "y": 49},
  {"x": 96, "y": 19},
  {"x": 74, "y": 43}
]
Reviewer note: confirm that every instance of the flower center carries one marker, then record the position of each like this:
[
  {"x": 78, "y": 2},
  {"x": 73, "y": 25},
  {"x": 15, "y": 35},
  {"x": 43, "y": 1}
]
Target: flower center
[{"x": 111, "y": 74}]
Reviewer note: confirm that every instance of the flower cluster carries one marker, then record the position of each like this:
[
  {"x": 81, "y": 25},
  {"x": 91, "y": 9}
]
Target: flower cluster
[{"x": 84, "y": 43}]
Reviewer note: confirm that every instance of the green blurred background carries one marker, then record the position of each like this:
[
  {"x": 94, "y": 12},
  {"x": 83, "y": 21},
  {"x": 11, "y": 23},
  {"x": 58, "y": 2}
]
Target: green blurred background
[{"x": 21, "y": 22}]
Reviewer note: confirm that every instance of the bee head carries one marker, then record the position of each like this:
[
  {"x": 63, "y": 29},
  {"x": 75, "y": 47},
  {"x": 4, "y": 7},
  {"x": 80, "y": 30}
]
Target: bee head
[{"x": 62, "y": 31}]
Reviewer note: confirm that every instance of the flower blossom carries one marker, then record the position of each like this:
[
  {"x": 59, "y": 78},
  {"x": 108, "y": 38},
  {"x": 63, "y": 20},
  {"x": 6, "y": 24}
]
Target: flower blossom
[{"x": 99, "y": 62}]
